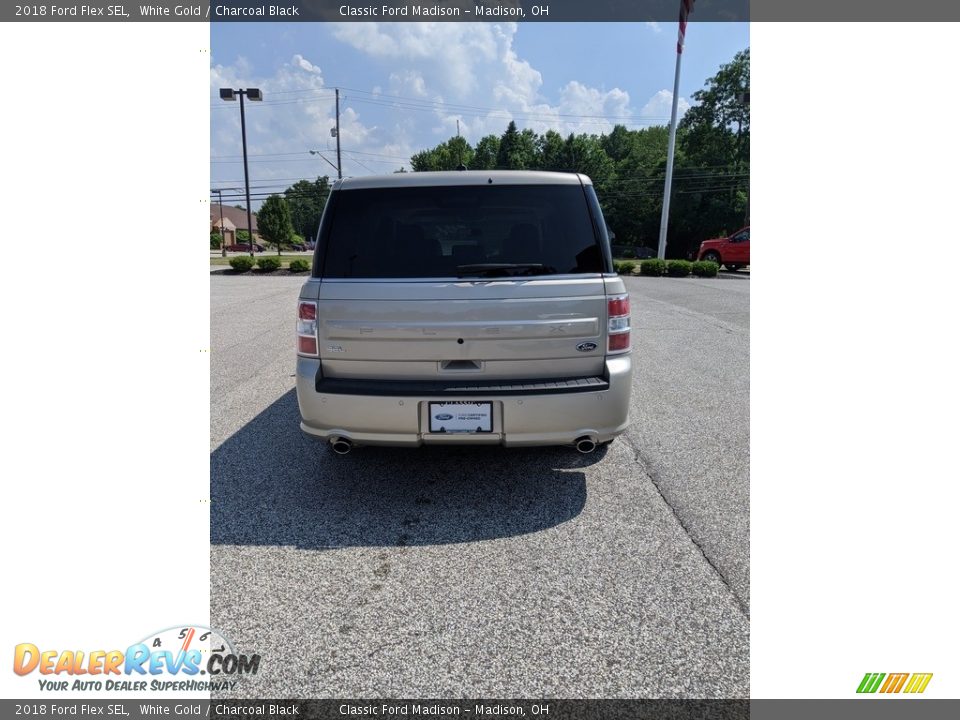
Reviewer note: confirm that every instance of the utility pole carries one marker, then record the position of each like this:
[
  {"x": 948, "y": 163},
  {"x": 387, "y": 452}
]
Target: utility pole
[
  {"x": 460, "y": 165},
  {"x": 339, "y": 166},
  {"x": 223, "y": 237}
]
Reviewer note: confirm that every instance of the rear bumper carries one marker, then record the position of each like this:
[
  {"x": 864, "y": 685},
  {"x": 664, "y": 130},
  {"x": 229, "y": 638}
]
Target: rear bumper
[{"x": 537, "y": 415}]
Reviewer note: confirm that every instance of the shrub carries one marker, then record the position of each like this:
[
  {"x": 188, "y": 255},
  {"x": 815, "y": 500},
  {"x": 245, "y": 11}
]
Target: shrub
[
  {"x": 624, "y": 267},
  {"x": 705, "y": 268},
  {"x": 216, "y": 240},
  {"x": 241, "y": 263},
  {"x": 299, "y": 265},
  {"x": 678, "y": 268},
  {"x": 243, "y": 236},
  {"x": 653, "y": 267},
  {"x": 268, "y": 264}
]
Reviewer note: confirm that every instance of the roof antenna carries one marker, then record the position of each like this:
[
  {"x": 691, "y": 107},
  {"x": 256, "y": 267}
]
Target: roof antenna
[{"x": 461, "y": 166}]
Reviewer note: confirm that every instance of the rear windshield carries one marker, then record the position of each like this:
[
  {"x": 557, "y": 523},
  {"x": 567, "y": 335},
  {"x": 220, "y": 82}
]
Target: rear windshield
[{"x": 461, "y": 231}]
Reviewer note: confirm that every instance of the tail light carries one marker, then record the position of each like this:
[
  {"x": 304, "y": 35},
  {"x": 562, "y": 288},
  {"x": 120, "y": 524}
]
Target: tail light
[
  {"x": 618, "y": 324},
  {"x": 307, "y": 328}
]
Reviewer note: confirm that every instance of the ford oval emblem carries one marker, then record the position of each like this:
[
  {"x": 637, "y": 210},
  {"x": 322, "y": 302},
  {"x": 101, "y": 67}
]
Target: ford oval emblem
[
  {"x": 586, "y": 347},
  {"x": 443, "y": 416}
]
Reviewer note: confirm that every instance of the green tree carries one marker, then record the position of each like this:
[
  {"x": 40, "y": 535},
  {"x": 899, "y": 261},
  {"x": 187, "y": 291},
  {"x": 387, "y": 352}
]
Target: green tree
[
  {"x": 274, "y": 222},
  {"x": 618, "y": 143},
  {"x": 712, "y": 174},
  {"x": 550, "y": 151},
  {"x": 517, "y": 149},
  {"x": 585, "y": 154},
  {"x": 711, "y": 167},
  {"x": 632, "y": 204},
  {"x": 485, "y": 154},
  {"x": 718, "y": 126},
  {"x": 446, "y": 156},
  {"x": 307, "y": 200}
]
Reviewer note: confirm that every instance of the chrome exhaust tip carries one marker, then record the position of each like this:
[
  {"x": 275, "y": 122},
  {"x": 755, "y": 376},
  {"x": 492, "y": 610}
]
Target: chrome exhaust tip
[
  {"x": 341, "y": 446},
  {"x": 585, "y": 445}
]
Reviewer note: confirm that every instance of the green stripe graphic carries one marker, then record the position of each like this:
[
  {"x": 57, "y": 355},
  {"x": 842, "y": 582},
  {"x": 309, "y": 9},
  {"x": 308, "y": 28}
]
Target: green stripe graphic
[{"x": 870, "y": 682}]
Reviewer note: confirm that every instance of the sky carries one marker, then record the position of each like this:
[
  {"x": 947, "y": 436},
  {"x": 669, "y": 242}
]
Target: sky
[{"x": 404, "y": 86}]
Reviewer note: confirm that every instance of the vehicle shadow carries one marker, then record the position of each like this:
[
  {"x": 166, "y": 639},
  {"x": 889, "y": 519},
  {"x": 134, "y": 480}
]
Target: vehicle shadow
[{"x": 272, "y": 485}]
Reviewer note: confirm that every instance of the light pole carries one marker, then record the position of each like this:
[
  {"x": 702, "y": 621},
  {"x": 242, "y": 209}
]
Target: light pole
[
  {"x": 255, "y": 95},
  {"x": 317, "y": 152}
]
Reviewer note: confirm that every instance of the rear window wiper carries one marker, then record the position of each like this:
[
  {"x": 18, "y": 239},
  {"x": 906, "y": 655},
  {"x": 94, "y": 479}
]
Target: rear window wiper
[{"x": 499, "y": 269}]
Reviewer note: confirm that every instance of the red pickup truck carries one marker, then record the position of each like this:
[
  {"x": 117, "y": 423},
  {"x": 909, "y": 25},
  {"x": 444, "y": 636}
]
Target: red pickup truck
[{"x": 733, "y": 251}]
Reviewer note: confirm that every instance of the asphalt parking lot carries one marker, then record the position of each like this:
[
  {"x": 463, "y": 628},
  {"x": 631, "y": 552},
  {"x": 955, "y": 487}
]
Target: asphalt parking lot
[{"x": 451, "y": 572}]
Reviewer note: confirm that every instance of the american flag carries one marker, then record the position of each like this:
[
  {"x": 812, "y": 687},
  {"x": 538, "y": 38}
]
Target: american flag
[{"x": 686, "y": 7}]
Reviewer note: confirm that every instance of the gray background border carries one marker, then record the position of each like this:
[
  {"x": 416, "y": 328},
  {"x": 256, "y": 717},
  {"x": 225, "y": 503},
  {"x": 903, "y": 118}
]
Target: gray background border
[{"x": 560, "y": 11}]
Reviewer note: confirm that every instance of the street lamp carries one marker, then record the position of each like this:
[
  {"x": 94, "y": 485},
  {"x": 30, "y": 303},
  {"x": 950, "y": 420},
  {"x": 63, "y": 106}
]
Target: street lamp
[
  {"x": 255, "y": 95},
  {"x": 317, "y": 152}
]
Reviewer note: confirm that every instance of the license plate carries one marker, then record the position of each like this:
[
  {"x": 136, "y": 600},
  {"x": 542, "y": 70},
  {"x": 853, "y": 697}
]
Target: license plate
[{"x": 461, "y": 417}]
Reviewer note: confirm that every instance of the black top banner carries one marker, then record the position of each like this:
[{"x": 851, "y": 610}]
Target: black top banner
[{"x": 483, "y": 11}]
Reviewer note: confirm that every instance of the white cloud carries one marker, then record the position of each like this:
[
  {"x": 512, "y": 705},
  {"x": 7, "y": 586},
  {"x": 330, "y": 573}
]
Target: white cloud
[
  {"x": 296, "y": 116},
  {"x": 407, "y": 82},
  {"x": 467, "y": 72},
  {"x": 444, "y": 52},
  {"x": 659, "y": 106},
  {"x": 655, "y": 26},
  {"x": 301, "y": 62},
  {"x": 477, "y": 64}
]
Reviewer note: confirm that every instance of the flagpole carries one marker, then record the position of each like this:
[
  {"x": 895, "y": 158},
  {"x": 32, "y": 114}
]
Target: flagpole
[
  {"x": 665, "y": 215},
  {"x": 686, "y": 7}
]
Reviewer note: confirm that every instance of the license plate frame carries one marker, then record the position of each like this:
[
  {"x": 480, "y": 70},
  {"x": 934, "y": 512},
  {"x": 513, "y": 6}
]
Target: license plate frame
[{"x": 460, "y": 417}]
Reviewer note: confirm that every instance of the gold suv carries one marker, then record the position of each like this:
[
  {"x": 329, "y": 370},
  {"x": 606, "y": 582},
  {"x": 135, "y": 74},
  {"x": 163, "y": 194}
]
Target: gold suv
[{"x": 464, "y": 307}]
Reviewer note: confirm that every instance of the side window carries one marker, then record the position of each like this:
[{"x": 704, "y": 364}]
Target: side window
[{"x": 742, "y": 236}]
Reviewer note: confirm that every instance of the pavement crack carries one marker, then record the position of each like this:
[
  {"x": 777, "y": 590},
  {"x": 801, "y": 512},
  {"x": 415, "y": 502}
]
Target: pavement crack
[{"x": 654, "y": 478}]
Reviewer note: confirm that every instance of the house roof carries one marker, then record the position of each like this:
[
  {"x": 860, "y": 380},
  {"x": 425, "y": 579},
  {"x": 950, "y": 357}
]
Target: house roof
[
  {"x": 227, "y": 224},
  {"x": 237, "y": 216}
]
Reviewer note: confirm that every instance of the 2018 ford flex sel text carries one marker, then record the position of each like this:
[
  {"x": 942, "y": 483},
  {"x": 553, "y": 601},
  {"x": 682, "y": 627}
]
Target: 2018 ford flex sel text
[{"x": 463, "y": 307}]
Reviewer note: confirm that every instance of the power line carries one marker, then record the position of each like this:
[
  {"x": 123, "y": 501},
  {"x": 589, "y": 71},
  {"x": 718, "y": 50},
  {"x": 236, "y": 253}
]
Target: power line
[{"x": 419, "y": 104}]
